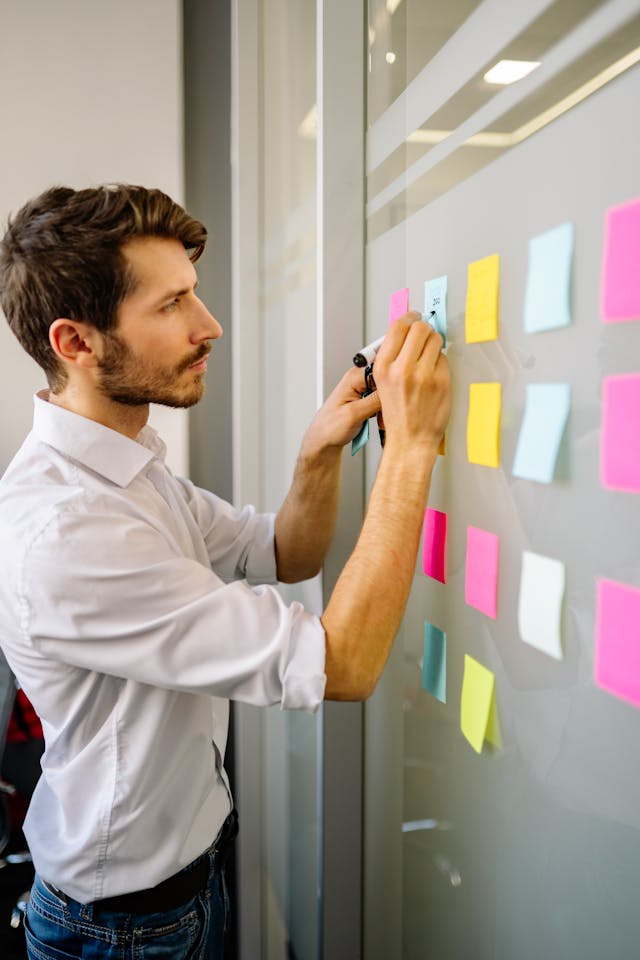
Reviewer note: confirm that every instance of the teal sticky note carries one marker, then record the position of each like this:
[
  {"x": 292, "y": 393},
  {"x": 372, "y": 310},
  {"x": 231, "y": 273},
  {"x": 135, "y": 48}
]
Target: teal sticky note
[
  {"x": 543, "y": 425},
  {"x": 361, "y": 439},
  {"x": 434, "y": 663},
  {"x": 435, "y": 299},
  {"x": 547, "y": 302}
]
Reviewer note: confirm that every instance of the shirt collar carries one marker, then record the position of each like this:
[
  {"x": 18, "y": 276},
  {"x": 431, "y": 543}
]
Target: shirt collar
[{"x": 101, "y": 449}]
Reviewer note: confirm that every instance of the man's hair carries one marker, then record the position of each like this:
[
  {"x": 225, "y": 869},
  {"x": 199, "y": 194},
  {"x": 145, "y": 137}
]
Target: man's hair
[{"x": 61, "y": 256}]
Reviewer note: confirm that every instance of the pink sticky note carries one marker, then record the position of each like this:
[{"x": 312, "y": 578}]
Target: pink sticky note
[
  {"x": 620, "y": 296},
  {"x": 398, "y": 304},
  {"x": 620, "y": 435},
  {"x": 617, "y": 655},
  {"x": 433, "y": 545},
  {"x": 481, "y": 576}
]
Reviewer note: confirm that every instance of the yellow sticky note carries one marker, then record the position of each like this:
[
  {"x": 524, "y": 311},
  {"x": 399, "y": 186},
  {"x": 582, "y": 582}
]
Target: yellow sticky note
[
  {"x": 481, "y": 315},
  {"x": 483, "y": 424},
  {"x": 478, "y": 713}
]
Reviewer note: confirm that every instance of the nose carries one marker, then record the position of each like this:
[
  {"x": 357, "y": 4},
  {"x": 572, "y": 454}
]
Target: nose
[{"x": 205, "y": 326}]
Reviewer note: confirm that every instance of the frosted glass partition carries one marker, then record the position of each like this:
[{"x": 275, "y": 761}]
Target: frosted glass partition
[{"x": 529, "y": 848}]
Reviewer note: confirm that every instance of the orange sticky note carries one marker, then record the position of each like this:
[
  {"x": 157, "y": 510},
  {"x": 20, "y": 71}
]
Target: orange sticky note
[{"x": 481, "y": 315}]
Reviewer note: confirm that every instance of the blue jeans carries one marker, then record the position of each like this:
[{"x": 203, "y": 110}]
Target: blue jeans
[{"x": 59, "y": 928}]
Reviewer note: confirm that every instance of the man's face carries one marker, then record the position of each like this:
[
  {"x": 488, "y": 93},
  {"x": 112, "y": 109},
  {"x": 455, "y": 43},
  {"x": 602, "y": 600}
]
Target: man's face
[{"x": 157, "y": 351}]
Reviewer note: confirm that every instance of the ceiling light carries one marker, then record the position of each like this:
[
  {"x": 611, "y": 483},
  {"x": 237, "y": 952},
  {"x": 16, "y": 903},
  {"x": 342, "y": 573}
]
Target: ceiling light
[
  {"x": 508, "y": 71},
  {"x": 390, "y": 57}
]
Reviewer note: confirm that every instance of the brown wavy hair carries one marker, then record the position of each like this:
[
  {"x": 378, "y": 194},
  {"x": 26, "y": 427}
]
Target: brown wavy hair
[{"x": 61, "y": 256}]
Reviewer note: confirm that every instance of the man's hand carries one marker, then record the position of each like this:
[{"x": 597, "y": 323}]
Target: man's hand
[{"x": 341, "y": 415}]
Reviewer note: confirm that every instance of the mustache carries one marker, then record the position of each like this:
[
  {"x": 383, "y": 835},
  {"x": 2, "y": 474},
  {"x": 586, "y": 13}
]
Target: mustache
[{"x": 200, "y": 354}]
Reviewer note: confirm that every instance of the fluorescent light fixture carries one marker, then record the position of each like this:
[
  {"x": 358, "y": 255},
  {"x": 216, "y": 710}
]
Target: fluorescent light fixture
[
  {"x": 508, "y": 71},
  {"x": 390, "y": 57},
  {"x": 392, "y": 6}
]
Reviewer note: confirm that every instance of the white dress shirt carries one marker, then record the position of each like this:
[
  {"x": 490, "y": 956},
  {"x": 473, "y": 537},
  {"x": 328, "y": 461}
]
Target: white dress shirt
[{"x": 127, "y": 615}]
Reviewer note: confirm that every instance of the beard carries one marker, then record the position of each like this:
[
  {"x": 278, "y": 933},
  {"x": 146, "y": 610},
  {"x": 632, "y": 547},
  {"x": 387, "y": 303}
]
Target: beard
[{"x": 134, "y": 381}]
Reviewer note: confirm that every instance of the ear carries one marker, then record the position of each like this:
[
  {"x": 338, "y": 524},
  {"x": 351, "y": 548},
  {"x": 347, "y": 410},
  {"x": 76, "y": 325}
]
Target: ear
[{"x": 74, "y": 342}]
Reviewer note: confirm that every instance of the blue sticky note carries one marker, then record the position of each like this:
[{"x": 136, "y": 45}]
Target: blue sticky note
[
  {"x": 435, "y": 299},
  {"x": 547, "y": 302},
  {"x": 543, "y": 425},
  {"x": 434, "y": 663},
  {"x": 361, "y": 439}
]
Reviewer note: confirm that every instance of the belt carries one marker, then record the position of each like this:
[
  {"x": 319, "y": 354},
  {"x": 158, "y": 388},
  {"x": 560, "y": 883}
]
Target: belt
[{"x": 183, "y": 886}]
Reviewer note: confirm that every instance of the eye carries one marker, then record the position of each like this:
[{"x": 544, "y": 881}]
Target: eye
[{"x": 172, "y": 305}]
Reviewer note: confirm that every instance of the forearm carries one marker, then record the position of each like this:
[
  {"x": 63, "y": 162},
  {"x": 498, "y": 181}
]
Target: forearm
[
  {"x": 306, "y": 521},
  {"x": 366, "y": 606}
]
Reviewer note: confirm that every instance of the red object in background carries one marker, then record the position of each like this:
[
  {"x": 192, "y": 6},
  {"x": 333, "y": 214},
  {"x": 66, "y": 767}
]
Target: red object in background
[{"x": 24, "y": 723}]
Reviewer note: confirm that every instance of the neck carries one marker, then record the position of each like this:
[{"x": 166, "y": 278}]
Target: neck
[{"x": 124, "y": 418}]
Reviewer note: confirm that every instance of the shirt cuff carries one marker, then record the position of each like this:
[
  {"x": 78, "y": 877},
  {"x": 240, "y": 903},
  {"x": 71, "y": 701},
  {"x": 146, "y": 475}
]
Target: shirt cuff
[
  {"x": 304, "y": 681},
  {"x": 261, "y": 563}
]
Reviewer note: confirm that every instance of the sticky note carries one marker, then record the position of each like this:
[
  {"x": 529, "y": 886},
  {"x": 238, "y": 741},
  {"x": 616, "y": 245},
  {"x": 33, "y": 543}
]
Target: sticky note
[
  {"x": 481, "y": 571},
  {"x": 620, "y": 291},
  {"x": 617, "y": 654},
  {"x": 483, "y": 424},
  {"x": 478, "y": 713},
  {"x": 481, "y": 315},
  {"x": 434, "y": 545},
  {"x": 434, "y": 662},
  {"x": 547, "y": 301},
  {"x": 542, "y": 584},
  {"x": 435, "y": 299},
  {"x": 398, "y": 304},
  {"x": 620, "y": 434},
  {"x": 543, "y": 425},
  {"x": 361, "y": 439}
]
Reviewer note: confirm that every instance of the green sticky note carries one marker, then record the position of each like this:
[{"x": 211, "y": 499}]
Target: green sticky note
[
  {"x": 361, "y": 439},
  {"x": 478, "y": 713},
  {"x": 434, "y": 663}
]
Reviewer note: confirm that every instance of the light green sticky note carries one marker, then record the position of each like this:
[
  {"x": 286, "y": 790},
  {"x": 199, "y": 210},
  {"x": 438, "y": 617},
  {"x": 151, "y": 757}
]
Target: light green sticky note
[
  {"x": 435, "y": 305},
  {"x": 478, "y": 713},
  {"x": 361, "y": 439}
]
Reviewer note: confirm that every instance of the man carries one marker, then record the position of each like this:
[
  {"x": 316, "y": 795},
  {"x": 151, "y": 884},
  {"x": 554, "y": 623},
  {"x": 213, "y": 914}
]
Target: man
[{"x": 134, "y": 606}]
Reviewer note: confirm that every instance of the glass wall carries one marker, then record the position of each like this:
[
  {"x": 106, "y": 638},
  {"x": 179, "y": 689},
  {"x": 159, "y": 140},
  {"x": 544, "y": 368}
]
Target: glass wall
[{"x": 528, "y": 849}]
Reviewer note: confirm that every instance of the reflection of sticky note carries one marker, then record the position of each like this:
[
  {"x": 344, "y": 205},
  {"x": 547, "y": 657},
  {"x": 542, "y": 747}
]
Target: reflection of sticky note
[
  {"x": 617, "y": 655},
  {"x": 434, "y": 545},
  {"x": 542, "y": 585},
  {"x": 547, "y": 302},
  {"x": 620, "y": 435},
  {"x": 483, "y": 424},
  {"x": 545, "y": 417},
  {"x": 481, "y": 315},
  {"x": 434, "y": 663},
  {"x": 398, "y": 304},
  {"x": 620, "y": 294},
  {"x": 481, "y": 573},
  {"x": 435, "y": 299},
  {"x": 478, "y": 712}
]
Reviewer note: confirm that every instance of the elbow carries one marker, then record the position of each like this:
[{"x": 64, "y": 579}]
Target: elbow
[{"x": 349, "y": 687}]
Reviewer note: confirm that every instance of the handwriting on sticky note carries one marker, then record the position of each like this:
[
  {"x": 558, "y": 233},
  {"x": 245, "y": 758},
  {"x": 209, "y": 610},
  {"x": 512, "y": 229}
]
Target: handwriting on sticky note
[
  {"x": 481, "y": 314},
  {"x": 481, "y": 571},
  {"x": 547, "y": 302},
  {"x": 398, "y": 304},
  {"x": 543, "y": 425},
  {"x": 620, "y": 292},
  {"x": 620, "y": 434},
  {"x": 435, "y": 302},
  {"x": 478, "y": 712},
  {"x": 542, "y": 585},
  {"x": 483, "y": 424},
  {"x": 617, "y": 654},
  {"x": 434, "y": 662},
  {"x": 434, "y": 545}
]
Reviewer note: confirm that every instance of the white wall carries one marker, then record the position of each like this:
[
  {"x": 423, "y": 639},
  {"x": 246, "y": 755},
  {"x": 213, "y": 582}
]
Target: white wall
[{"x": 91, "y": 92}]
